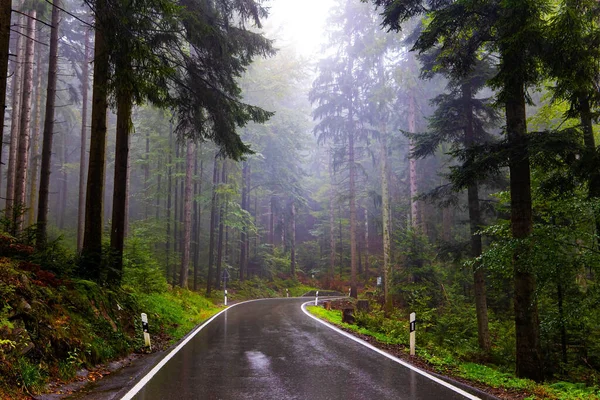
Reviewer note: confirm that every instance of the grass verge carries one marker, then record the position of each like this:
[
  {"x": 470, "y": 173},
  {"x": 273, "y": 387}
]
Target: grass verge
[{"x": 499, "y": 383}]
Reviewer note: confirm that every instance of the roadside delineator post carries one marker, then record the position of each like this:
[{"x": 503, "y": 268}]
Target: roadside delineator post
[
  {"x": 349, "y": 292},
  {"x": 145, "y": 329},
  {"x": 317, "y": 298},
  {"x": 413, "y": 328},
  {"x": 225, "y": 296},
  {"x": 287, "y": 293}
]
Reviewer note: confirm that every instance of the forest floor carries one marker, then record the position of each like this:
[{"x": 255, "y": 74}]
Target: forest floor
[{"x": 483, "y": 378}]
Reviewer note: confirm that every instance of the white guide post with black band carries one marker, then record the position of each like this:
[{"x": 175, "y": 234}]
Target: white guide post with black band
[
  {"x": 413, "y": 328},
  {"x": 317, "y": 298},
  {"x": 287, "y": 293},
  {"x": 145, "y": 329}
]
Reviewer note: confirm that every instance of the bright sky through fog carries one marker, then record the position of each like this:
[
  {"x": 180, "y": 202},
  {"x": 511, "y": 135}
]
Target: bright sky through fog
[{"x": 301, "y": 21}]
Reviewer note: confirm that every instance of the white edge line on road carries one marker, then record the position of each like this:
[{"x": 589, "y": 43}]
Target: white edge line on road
[
  {"x": 134, "y": 390},
  {"x": 391, "y": 357}
]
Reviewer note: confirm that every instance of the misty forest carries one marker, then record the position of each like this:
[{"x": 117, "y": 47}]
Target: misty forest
[{"x": 436, "y": 157}]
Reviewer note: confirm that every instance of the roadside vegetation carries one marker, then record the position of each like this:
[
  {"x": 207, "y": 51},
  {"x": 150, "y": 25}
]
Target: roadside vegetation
[
  {"x": 451, "y": 352},
  {"x": 54, "y": 323}
]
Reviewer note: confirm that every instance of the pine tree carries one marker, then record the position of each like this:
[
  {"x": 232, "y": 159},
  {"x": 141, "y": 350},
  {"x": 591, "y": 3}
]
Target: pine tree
[{"x": 515, "y": 30}]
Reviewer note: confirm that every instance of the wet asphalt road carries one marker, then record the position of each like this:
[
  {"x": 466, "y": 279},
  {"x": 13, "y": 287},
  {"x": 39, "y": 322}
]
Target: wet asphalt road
[{"x": 270, "y": 349}]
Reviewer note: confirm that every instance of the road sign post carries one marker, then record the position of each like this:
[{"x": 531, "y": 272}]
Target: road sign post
[
  {"x": 146, "y": 330},
  {"x": 225, "y": 277},
  {"x": 317, "y": 298},
  {"x": 413, "y": 328}
]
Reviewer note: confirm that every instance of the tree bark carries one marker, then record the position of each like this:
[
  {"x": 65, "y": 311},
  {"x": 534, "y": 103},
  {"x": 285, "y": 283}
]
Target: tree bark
[
  {"x": 415, "y": 209},
  {"x": 17, "y": 88},
  {"x": 197, "y": 218},
  {"x": 169, "y": 193},
  {"x": 94, "y": 201},
  {"x": 83, "y": 153},
  {"x": 63, "y": 181},
  {"x": 243, "y": 233},
  {"x": 293, "y": 239},
  {"x": 176, "y": 242},
  {"x": 187, "y": 219},
  {"x": 20, "y": 195},
  {"x": 387, "y": 241},
  {"x": 332, "y": 245},
  {"x": 528, "y": 350},
  {"x": 213, "y": 218},
  {"x": 119, "y": 208},
  {"x": 5, "y": 14},
  {"x": 35, "y": 144},
  {"x": 483, "y": 332},
  {"x": 221, "y": 227},
  {"x": 42, "y": 221},
  {"x": 353, "y": 223}
]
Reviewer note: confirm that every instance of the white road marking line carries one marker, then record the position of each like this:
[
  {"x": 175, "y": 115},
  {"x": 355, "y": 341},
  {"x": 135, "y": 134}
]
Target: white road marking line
[
  {"x": 391, "y": 357},
  {"x": 134, "y": 390}
]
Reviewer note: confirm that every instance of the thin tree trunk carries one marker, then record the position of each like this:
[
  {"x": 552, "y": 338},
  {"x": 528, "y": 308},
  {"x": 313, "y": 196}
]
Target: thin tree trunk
[
  {"x": 197, "y": 218},
  {"x": 62, "y": 202},
  {"x": 293, "y": 239},
  {"x": 213, "y": 218},
  {"x": 243, "y": 233},
  {"x": 17, "y": 88},
  {"x": 221, "y": 227},
  {"x": 147, "y": 178},
  {"x": 20, "y": 195},
  {"x": 590, "y": 145},
  {"x": 119, "y": 208},
  {"x": 83, "y": 153},
  {"x": 272, "y": 222},
  {"x": 415, "y": 211},
  {"x": 94, "y": 201},
  {"x": 176, "y": 243},
  {"x": 45, "y": 167},
  {"x": 35, "y": 144},
  {"x": 353, "y": 223},
  {"x": 187, "y": 219},
  {"x": 387, "y": 241},
  {"x": 5, "y": 15},
  {"x": 475, "y": 225},
  {"x": 528, "y": 350},
  {"x": 169, "y": 193},
  {"x": 367, "y": 265},
  {"x": 332, "y": 245}
]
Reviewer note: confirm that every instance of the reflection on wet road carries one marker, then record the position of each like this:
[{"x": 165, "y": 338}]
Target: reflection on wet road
[{"x": 270, "y": 350}]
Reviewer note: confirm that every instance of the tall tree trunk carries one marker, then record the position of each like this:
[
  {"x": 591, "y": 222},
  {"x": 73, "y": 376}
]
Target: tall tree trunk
[
  {"x": 45, "y": 167},
  {"x": 147, "y": 178},
  {"x": 367, "y": 264},
  {"x": 17, "y": 88},
  {"x": 187, "y": 219},
  {"x": 63, "y": 189},
  {"x": 20, "y": 195},
  {"x": 35, "y": 144},
  {"x": 5, "y": 14},
  {"x": 293, "y": 239},
  {"x": 223, "y": 200},
  {"x": 387, "y": 241},
  {"x": 353, "y": 223},
  {"x": 94, "y": 201},
  {"x": 483, "y": 332},
  {"x": 83, "y": 153},
  {"x": 415, "y": 211},
  {"x": 176, "y": 243},
  {"x": 213, "y": 220},
  {"x": 272, "y": 222},
  {"x": 332, "y": 245},
  {"x": 169, "y": 193},
  {"x": 243, "y": 233},
  {"x": 197, "y": 218},
  {"x": 119, "y": 208},
  {"x": 447, "y": 217},
  {"x": 528, "y": 350}
]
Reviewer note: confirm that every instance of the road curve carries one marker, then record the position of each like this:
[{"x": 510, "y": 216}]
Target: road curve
[{"x": 269, "y": 349}]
